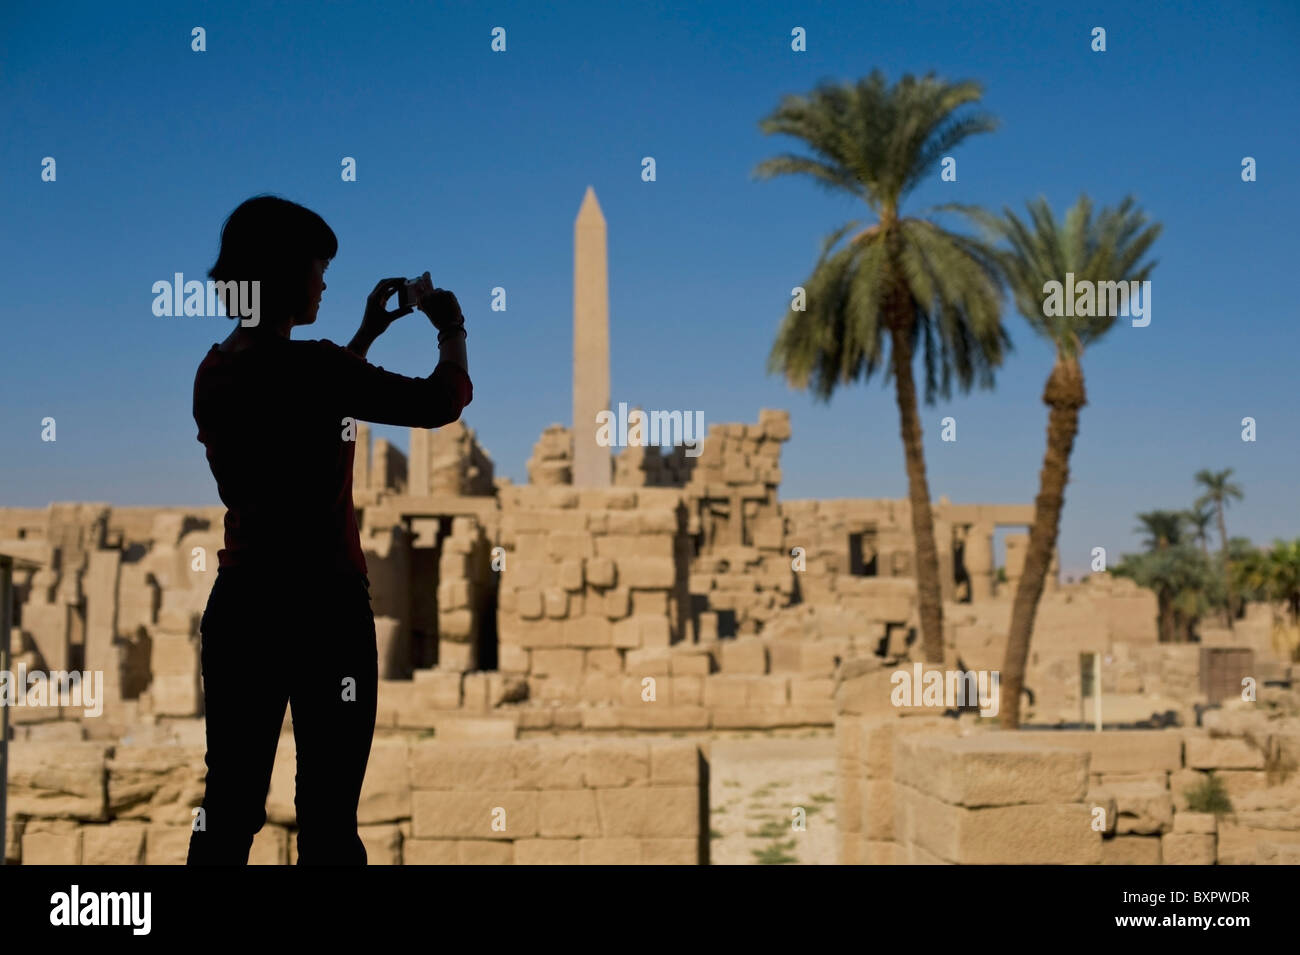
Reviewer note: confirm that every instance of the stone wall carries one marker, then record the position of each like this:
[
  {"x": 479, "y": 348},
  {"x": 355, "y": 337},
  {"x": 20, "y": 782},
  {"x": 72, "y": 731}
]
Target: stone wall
[
  {"x": 572, "y": 802},
  {"x": 921, "y": 789}
]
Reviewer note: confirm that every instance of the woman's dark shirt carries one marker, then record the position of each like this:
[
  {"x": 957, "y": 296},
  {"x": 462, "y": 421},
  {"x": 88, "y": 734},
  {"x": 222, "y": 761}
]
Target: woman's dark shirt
[{"x": 272, "y": 420}]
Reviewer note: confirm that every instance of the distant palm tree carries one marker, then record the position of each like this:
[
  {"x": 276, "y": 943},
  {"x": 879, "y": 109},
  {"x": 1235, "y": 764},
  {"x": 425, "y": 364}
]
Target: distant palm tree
[
  {"x": 900, "y": 281},
  {"x": 1163, "y": 528},
  {"x": 1219, "y": 491},
  {"x": 1198, "y": 520},
  {"x": 1107, "y": 248},
  {"x": 1183, "y": 582},
  {"x": 1274, "y": 575}
]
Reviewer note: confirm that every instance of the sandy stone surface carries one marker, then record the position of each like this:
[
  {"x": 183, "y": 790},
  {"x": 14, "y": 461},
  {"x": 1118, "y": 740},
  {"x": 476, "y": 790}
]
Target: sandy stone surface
[{"x": 754, "y": 786}]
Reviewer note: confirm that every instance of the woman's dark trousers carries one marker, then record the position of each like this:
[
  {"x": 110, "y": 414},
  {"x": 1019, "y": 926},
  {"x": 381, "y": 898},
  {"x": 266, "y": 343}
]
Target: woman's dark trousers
[{"x": 267, "y": 641}]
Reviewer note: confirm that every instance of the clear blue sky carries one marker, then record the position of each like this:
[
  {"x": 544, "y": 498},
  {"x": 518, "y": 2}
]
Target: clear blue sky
[{"x": 472, "y": 164}]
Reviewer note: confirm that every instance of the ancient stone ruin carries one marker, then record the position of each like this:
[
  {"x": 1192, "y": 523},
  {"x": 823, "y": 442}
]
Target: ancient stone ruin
[{"x": 569, "y": 648}]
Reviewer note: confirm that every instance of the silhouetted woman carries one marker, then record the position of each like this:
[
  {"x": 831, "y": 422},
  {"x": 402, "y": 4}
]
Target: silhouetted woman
[{"x": 289, "y": 618}]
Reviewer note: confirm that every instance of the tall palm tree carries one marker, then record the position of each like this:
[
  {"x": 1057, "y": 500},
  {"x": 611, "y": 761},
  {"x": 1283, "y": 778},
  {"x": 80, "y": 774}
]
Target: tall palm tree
[
  {"x": 900, "y": 281},
  {"x": 1219, "y": 491},
  {"x": 1162, "y": 528},
  {"x": 1107, "y": 248},
  {"x": 1198, "y": 521}
]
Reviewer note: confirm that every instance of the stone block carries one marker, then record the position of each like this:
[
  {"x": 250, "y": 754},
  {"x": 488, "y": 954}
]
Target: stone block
[
  {"x": 633, "y": 548},
  {"x": 1131, "y": 850},
  {"x": 456, "y": 626},
  {"x": 1051, "y": 834},
  {"x": 670, "y": 852},
  {"x": 115, "y": 844},
  {"x": 159, "y": 783},
  {"x": 556, "y": 601},
  {"x": 167, "y": 845},
  {"x": 546, "y": 852},
  {"x": 743, "y": 656},
  {"x": 566, "y": 813},
  {"x": 565, "y": 546},
  {"x": 441, "y": 814},
  {"x": 270, "y": 846},
  {"x": 383, "y": 844},
  {"x": 484, "y": 852},
  {"x": 565, "y": 664},
  {"x": 1144, "y": 809},
  {"x": 601, "y": 572},
  {"x": 652, "y": 603},
  {"x": 462, "y": 766},
  {"x": 626, "y": 633},
  {"x": 1138, "y": 751},
  {"x": 513, "y": 659},
  {"x": 1187, "y": 848},
  {"x": 687, "y": 690},
  {"x": 429, "y": 852},
  {"x": 572, "y": 575},
  {"x": 767, "y": 690},
  {"x": 549, "y": 764},
  {"x": 1199, "y": 823},
  {"x": 528, "y": 603},
  {"x": 725, "y": 690},
  {"x": 615, "y": 603},
  {"x": 57, "y": 781},
  {"x": 605, "y": 660},
  {"x": 662, "y": 715},
  {"x": 610, "y": 764},
  {"x": 1277, "y": 853},
  {"x": 661, "y": 812},
  {"x": 52, "y": 848},
  {"x": 1207, "y": 753},
  {"x": 453, "y": 594},
  {"x": 647, "y": 572},
  {"x": 674, "y": 763},
  {"x": 588, "y": 631},
  {"x": 386, "y": 790},
  {"x": 990, "y": 770},
  {"x": 690, "y": 663},
  {"x": 609, "y": 851}
]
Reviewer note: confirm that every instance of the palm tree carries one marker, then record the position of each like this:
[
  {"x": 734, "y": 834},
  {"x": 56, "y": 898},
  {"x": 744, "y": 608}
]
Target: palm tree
[
  {"x": 1163, "y": 528},
  {"x": 1273, "y": 575},
  {"x": 1270, "y": 576},
  {"x": 900, "y": 281},
  {"x": 1181, "y": 577},
  {"x": 1107, "y": 248},
  {"x": 1198, "y": 520},
  {"x": 1219, "y": 491}
]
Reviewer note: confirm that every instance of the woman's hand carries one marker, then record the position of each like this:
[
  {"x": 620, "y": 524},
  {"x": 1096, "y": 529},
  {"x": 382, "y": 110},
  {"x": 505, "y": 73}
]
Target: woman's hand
[
  {"x": 443, "y": 309},
  {"x": 377, "y": 318}
]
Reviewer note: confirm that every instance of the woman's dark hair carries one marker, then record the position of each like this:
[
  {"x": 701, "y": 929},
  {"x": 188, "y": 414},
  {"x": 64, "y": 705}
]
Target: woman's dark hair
[{"x": 272, "y": 241}]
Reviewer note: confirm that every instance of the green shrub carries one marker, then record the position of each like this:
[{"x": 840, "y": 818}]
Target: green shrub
[{"x": 1209, "y": 796}]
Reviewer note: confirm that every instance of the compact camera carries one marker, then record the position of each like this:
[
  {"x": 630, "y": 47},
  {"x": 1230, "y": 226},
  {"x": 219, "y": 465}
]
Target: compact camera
[{"x": 409, "y": 294}]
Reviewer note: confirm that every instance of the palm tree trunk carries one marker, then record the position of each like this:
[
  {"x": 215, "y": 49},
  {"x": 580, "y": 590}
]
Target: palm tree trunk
[
  {"x": 1064, "y": 395},
  {"x": 1227, "y": 569},
  {"x": 927, "y": 555}
]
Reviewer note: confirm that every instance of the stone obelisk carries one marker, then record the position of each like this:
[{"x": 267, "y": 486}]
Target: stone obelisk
[{"x": 592, "y": 464}]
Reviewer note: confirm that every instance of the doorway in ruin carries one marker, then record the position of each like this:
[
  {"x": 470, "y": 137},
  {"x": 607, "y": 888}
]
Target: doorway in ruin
[
  {"x": 425, "y": 562},
  {"x": 863, "y": 555},
  {"x": 425, "y": 565},
  {"x": 960, "y": 575}
]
